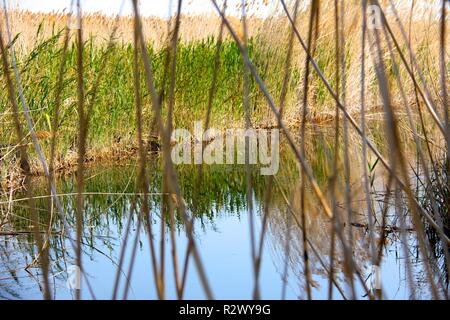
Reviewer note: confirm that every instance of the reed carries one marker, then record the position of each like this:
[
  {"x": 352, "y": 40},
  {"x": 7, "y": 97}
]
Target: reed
[{"x": 120, "y": 86}]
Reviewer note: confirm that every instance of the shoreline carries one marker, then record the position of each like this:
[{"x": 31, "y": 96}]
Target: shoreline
[{"x": 123, "y": 150}]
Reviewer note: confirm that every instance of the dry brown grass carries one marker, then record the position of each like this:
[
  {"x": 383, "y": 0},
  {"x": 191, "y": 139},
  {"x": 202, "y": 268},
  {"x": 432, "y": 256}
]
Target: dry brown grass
[
  {"x": 420, "y": 24},
  {"x": 193, "y": 27}
]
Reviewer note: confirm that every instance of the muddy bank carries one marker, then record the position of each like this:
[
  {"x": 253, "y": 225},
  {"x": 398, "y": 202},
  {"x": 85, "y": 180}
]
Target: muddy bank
[{"x": 12, "y": 177}]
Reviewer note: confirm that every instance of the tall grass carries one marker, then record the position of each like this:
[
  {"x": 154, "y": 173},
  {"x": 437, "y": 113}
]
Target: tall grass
[
  {"x": 329, "y": 67},
  {"x": 112, "y": 116}
]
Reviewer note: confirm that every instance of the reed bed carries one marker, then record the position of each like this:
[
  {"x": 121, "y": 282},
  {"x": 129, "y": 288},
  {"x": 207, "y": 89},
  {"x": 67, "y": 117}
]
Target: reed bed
[{"x": 112, "y": 82}]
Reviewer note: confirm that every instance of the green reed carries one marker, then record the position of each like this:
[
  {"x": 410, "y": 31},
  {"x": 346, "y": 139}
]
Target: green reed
[{"x": 113, "y": 115}]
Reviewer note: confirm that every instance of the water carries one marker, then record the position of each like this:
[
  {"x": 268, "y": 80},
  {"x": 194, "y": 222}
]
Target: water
[{"x": 221, "y": 233}]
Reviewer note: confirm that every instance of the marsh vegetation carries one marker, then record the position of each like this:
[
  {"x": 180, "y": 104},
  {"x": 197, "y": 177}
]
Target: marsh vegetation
[{"x": 362, "y": 190}]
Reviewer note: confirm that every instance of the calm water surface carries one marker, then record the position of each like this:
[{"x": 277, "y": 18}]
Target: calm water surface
[{"x": 222, "y": 235}]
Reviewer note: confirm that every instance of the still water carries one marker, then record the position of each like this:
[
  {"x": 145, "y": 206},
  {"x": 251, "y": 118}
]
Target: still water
[{"x": 221, "y": 232}]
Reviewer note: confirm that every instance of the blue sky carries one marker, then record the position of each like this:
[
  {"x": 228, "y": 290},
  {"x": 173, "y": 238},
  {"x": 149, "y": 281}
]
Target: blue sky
[{"x": 159, "y": 8}]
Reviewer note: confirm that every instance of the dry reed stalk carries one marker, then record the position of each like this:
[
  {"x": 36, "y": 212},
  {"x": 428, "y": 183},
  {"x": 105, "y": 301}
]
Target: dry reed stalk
[
  {"x": 368, "y": 197},
  {"x": 25, "y": 167},
  {"x": 304, "y": 111},
  {"x": 145, "y": 211},
  {"x": 384, "y": 46},
  {"x": 371, "y": 146},
  {"x": 397, "y": 158},
  {"x": 318, "y": 192},
  {"x": 173, "y": 184}
]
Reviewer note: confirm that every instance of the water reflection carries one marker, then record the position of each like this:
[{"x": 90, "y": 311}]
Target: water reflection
[{"x": 221, "y": 232}]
